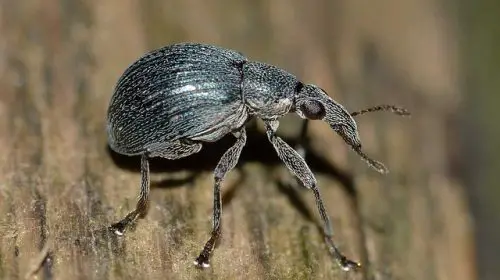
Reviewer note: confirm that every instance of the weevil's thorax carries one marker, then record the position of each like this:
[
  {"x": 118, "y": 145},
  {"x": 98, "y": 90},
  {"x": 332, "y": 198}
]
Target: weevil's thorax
[{"x": 268, "y": 91}]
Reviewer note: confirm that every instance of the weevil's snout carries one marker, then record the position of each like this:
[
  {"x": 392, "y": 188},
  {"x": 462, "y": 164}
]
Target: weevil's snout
[
  {"x": 313, "y": 103},
  {"x": 349, "y": 133},
  {"x": 351, "y": 137}
]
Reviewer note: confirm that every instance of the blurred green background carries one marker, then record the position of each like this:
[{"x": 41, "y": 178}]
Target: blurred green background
[{"x": 434, "y": 216}]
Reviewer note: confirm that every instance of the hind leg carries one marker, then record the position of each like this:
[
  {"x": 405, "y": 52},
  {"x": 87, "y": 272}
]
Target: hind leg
[{"x": 173, "y": 150}]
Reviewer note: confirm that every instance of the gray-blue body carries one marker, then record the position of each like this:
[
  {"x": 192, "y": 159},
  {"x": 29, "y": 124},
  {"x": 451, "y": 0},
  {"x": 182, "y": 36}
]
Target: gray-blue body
[{"x": 193, "y": 92}]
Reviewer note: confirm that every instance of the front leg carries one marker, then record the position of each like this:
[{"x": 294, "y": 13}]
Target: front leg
[{"x": 298, "y": 167}]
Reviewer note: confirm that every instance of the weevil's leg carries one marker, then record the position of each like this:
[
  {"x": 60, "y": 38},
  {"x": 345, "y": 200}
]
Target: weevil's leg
[
  {"x": 301, "y": 148},
  {"x": 173, "y": 150},
  {"x": 167, "y": 150},
  {"x": 226, "y": 163},
  {"x": 141, "y": 206},
  {"x": 299, "y": 168}
]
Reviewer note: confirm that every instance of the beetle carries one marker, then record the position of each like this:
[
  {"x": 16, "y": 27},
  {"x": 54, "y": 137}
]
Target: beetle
[{"x": 173, "y": 99}]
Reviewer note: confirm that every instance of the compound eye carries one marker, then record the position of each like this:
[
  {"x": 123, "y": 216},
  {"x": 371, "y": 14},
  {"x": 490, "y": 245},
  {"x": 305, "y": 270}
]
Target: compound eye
[{"x": 313, "y": 110}]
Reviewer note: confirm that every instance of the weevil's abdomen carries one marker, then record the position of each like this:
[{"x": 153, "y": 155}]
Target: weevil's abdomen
[{"x": 183, "y": 91}]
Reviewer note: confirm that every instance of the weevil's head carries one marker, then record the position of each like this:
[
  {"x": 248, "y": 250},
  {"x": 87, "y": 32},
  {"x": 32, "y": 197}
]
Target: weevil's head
[
  {"x": 314, "y": 104},
  {"x": 311, "y": 102}
]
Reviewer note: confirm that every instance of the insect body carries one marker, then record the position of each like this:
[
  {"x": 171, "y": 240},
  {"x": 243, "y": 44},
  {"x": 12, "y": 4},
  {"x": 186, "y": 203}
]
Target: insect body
[{"x": 172, "y": 100}]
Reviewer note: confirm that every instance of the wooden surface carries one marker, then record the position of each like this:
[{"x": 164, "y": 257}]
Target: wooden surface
[{"x": 60, "y": 186}]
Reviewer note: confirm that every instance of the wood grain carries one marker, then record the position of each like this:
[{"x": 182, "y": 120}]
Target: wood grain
[{"x": 60, "y": 186}]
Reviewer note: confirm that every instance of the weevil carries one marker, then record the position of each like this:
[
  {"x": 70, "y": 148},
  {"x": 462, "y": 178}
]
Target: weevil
[{"x": 172, "y": 100}]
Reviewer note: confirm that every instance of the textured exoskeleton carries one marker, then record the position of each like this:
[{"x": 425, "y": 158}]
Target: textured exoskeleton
[{"x": 172, "y": 100}]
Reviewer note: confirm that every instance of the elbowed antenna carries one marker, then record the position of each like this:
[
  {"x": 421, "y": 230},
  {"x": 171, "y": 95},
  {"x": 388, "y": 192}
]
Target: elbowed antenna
[{"x": 384, "y": 107}]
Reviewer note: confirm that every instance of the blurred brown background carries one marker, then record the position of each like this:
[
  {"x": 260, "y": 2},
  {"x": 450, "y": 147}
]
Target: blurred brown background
[{"x": 434, "y": 216}]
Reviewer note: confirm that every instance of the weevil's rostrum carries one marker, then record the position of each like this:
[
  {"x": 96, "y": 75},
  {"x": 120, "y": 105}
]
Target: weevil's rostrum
[{"x": 172, "y": 100}]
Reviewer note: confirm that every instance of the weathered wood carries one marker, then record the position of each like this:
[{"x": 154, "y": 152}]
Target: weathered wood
[{"x": 60, "y": 186}]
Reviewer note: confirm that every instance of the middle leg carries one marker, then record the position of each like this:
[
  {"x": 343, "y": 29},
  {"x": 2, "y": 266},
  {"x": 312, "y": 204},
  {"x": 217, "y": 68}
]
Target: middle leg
[{"x": 226, "y": 163}]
